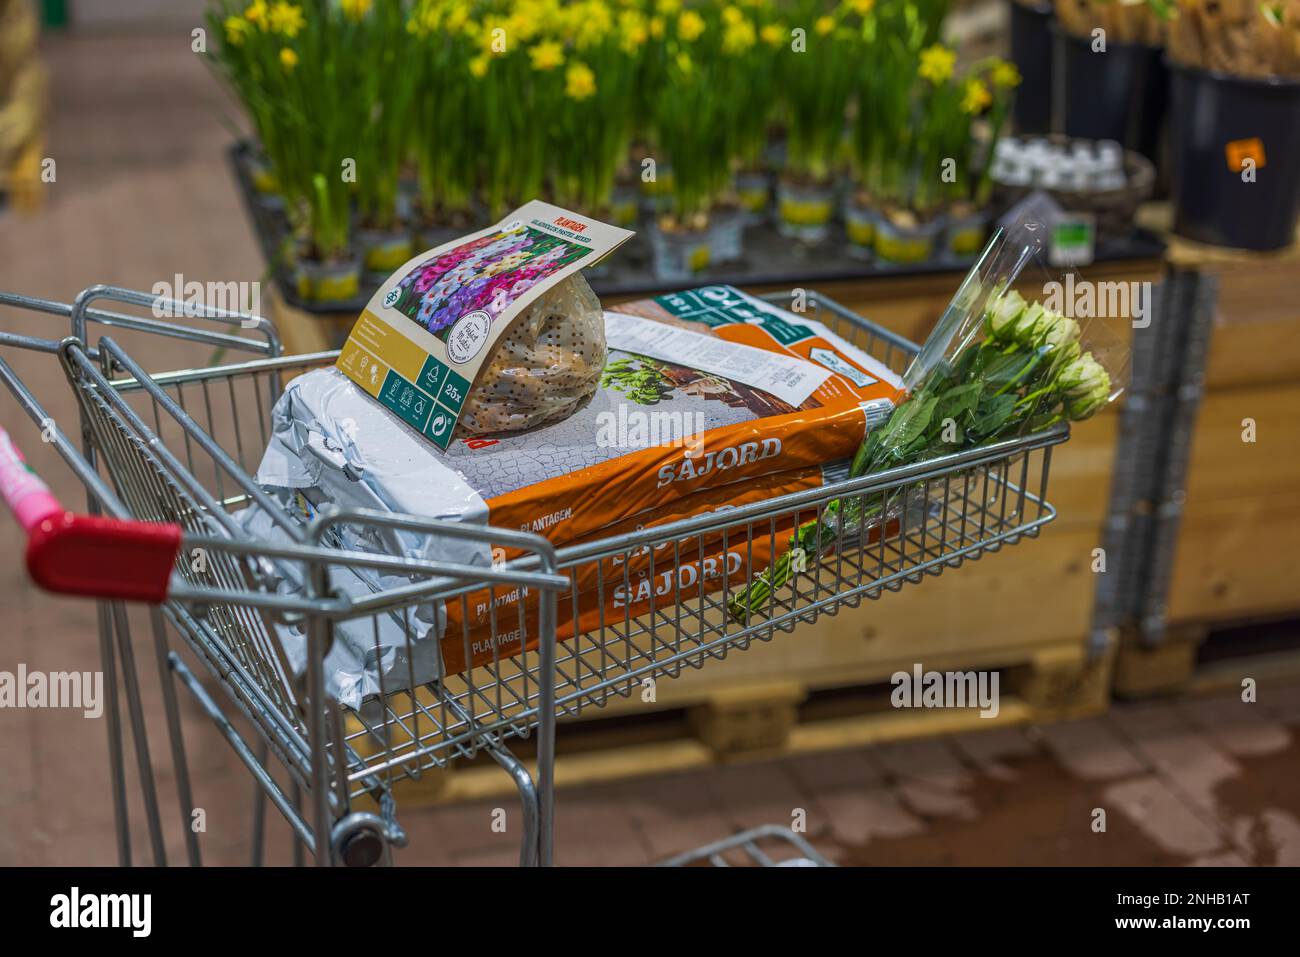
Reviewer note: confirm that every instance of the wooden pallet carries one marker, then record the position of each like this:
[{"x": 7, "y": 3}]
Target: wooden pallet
[
  {"x": 770, "y": 719},
  {"x": 21, "y": 185},
  {"x": 1178, "y": 664}
]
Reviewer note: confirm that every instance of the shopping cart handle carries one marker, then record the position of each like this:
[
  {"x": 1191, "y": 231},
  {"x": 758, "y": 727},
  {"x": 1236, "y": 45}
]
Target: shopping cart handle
[{"x": 85, "y": 554}]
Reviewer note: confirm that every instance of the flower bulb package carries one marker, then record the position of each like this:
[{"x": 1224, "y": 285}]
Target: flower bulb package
[
  {"x": 504, "y": 309},
  {"x": 706, "y": 400}
]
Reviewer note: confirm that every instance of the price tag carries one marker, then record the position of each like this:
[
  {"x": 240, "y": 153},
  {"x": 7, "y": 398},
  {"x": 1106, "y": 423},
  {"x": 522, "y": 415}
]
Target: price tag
[{"x": 1073, "y": 240}]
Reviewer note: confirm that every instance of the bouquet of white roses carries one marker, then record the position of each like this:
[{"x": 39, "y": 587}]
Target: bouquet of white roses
[{"x": 1018, "y": 367}]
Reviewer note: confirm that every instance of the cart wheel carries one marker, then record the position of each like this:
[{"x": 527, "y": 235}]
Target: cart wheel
[{"x": 360, "y": 840}]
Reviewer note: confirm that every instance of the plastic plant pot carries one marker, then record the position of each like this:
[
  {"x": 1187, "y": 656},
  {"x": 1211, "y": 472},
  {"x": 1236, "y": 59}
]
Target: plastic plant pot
[
  {"x": 804, "y": 211},
  {"x": 432, "y": 232},
  {"x": 262, "y": 176},
  {"x": 1121, "y": 94},
  {"x": 727, "y": 227},
  {"x": 383, "y": 250},
  {"x": 655, "y": 192},
  {"x": 754, "y": 190},
  {"x": 906, "y": 243},
  {"x": 679, "y": 255},
  {"x": 965, "y": 232},
  {"x": 860, "y": 228},
  {"x": 329, "y": 281},
  {"x": 266, "y": 186},
  {"x": 625, "y": 205},
  {"x": 1219, "y": 122},
  {"x": 1031, "y": 51}
]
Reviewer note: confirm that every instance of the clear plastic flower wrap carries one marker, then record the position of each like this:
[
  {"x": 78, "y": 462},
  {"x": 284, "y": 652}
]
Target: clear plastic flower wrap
[{"x": 995, "y": 367}]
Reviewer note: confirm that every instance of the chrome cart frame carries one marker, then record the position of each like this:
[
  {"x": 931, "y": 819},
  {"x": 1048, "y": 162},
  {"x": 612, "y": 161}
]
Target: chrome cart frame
[{"x": 168, "y": 459}]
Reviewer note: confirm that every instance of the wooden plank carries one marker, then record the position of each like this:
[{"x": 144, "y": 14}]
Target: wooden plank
[
  {"x": 1172, "y": 667},
  {"x": 1256, "y": 322},
  {"x": 1223, "y": 467},
  {"x": 1256, "y": 326},
  {"x": 1166, "y": 668},
  {"x": 1236, "y": 558}
]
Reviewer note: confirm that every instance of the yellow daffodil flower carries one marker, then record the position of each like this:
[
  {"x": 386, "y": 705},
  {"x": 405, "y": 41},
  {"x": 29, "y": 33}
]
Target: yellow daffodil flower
[
  {"x": 1005, "y": 75},
  {"x": 976, "y": 97},
  {"x": 773, "y": 34},
  {"x": 824, "y": 25},
  {"x": 286, "y": 19},
  {"x": 237, "y": 29},
  {"x": 478, "y": 66},
  {"x": 256, "y": 14},
  {"x": 656, "y": 27},
  {"x": 288, "y": 59},
  {"x": 458, "y": 16},
  {"x": 547, "y": 55},
  {"x": 738, "y": 37},
  {"x": 668, "y": 7},
  {"x": 579, "y": 81},
  {"x": 594, "y": 24},
  {"x": 862, "y": 7},
  {"x": 690, "y": 25},
  {"x": 633, "y": 30},
  {"x": 356, "y": 10},
  {"x": 936, "y": 63},
  {"x": 521, "y": 26}
]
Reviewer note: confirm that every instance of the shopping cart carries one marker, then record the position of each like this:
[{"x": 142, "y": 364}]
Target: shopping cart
[
  {"x": 168, "y": 458},
  {"x": 770, "y": 845}
]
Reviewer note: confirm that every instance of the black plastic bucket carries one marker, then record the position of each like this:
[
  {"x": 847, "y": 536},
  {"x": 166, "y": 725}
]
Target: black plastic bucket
[
  {"x": 1031, "y": 52},
  {"x": 1217, "y": 120},
  {"x": 1120, "y": 94}
]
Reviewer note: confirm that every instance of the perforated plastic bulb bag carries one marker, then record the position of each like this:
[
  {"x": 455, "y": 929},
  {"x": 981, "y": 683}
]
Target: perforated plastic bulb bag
[{"x": 544, "y": 368}]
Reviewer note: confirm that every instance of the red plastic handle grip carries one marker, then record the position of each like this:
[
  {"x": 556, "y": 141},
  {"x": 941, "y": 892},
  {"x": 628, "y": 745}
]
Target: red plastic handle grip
[
  {"x": 103, "y": 557},
  {"x": 85, "y": 554}
]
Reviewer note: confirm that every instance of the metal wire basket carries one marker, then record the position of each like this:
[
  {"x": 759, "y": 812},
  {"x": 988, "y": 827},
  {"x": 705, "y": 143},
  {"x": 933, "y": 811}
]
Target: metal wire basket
[{"x": 180, "y": 447}]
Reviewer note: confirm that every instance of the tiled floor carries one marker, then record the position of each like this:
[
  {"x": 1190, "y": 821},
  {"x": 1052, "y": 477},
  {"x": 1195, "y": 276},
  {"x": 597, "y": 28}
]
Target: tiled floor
[{"x": 143, "y": 193}]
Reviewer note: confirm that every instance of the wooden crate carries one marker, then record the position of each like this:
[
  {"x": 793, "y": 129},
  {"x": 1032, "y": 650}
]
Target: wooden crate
[
  {"x": 1256, "y": 324},
  {"x": 1236, "y": 559},
  {"x": 1239, "y": 526}
]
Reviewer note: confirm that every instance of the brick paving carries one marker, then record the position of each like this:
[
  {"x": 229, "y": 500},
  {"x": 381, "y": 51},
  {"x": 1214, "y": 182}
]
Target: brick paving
[{"x": 143, "y": 193}]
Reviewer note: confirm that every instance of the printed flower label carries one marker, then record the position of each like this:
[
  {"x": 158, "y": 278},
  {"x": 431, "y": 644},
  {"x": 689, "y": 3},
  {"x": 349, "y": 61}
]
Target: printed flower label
[{"x": 421, "y": 340}]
